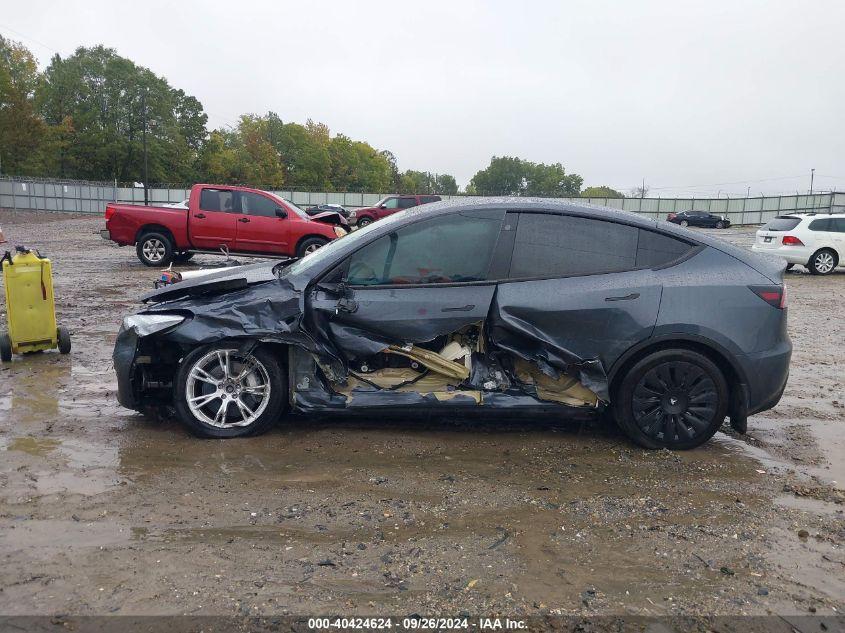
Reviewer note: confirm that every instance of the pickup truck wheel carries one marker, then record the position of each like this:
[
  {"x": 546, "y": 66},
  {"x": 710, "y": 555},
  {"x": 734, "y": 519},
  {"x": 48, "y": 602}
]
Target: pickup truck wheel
[
  {"x": 310, "y": 245},
  {"x": 154, "y": 249},
  {"x": 221, "y": 392}
]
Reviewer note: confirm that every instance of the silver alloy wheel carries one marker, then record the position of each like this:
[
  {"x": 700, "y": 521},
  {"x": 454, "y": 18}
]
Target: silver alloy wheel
[
  {"x": 154, "y": 249},
  {"x": 223, "y": 378},
  {"x": 684, "y": 223},
  {"x": 824, "y": 262},
  {"x": 311, "y": 248},
  {"x": 364, "y": 222}
]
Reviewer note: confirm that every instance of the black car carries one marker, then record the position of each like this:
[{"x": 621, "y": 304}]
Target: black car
[
  {"x": 514, "y": 305},
  {"x": 328, "y": 208},
  {"x": 699, "y": 218}
]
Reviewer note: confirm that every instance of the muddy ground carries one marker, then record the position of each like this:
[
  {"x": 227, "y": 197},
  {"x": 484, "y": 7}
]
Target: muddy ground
[{"x": 105, "y": 512}]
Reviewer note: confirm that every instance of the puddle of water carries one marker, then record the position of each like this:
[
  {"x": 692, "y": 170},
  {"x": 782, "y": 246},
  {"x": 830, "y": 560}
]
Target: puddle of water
[
  {"x": 44, "y": 536},
  {"x": 815, "y": 507},
  {"x": 38, "y": 447}
]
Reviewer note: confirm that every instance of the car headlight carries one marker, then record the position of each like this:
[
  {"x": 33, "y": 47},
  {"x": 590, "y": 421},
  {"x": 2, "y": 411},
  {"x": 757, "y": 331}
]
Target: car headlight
[
  {"x": 353, "y": 214},
  {"x": 339, "y": 231},
  {"x": 146, "y": 324}
]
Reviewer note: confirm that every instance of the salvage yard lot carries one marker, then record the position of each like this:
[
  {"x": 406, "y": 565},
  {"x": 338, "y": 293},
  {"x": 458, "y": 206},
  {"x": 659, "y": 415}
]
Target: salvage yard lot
[{"x": 103, "y": 511}]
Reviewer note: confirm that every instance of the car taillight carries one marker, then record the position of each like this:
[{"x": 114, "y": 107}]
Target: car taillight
[
  {"x": 109, "y": 212},
  {"x": 791, "y": 240},
  {"x": 671, "y": 216},
  {"x": 775, "y": 296}
]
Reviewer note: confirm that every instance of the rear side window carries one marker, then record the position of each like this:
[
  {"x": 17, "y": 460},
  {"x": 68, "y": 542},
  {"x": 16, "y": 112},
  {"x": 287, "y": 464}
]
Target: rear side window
[
  {"x": 837, "y": 225},
  {"x": 216, "y": 200},
  {"x": 559, "y": 245},
  {"x": 656, "y": 249},
  {"x": 784, "y": 223},
  {"x": 427, "y": 199},
  {"x": 407, "y": 203},
  {"x": 820, "y": 225}
]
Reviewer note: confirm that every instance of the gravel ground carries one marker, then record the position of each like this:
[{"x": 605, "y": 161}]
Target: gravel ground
[{"x": 105, "y": 512}]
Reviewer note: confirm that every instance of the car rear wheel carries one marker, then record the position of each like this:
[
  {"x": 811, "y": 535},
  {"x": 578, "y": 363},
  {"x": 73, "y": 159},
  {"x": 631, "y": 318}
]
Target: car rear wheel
[
  {"x": 181, "y": 258},
  {"x": 155, "y": 249},
  {"x": 684, "y": 223},
  {"x": 823, "y": 262},
  {"x": 63, "y": 338},
  {"x": 365, "y": 221},
  {"x": 222, "y": 392},
  {"x": 310, "y": 245},
  {"x": 5, "y": 348},
  {"x": 674, "y": 399}
]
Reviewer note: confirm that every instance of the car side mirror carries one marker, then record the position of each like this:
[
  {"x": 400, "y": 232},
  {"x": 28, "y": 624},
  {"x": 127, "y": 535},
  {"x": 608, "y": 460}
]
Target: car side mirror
[{"x": 281, "y": 213}]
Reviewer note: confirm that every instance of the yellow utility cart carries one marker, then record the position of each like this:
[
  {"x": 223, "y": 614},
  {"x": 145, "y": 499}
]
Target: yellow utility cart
[{"x": 30, "y": 307}]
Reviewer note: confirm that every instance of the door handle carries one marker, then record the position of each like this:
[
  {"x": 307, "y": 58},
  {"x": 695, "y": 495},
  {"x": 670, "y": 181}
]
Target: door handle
[
  {"x": 465, "y": 308},
  {"x": 200, "y": 216},
  {"x": 630, "y": 297},
  {"x": 244, "y": 220}
]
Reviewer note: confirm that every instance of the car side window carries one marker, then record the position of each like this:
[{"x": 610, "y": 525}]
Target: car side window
[
  {"x": 837, "y": 225},
  {"x": 450, "y": 249},
  {"x": 391, "y": 203},
  {"x": 657, "y": 249},
  {"x": 820, "y": 225},
  {"x": 407, "y": 203},
  {"x": 427, "y": 199},
  {"x": 216, "y": 200},
  {"x": 256, "y": 204},
  {"x": 548, "y": 245}
]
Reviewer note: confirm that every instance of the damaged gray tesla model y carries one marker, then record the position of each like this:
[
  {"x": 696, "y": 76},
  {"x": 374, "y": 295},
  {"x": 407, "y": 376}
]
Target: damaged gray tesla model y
[{"x": 516, "y": 305}]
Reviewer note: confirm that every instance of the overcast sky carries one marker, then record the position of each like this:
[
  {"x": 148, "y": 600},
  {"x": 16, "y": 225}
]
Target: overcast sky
[{"x": 692, "y": 96}]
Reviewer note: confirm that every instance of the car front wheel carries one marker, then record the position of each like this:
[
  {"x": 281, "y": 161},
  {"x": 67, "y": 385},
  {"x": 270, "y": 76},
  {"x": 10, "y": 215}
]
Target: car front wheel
[
  {"x": 684, "y": 223},
  {"x": 674, "y": 399},
  {"x": 720, "y": 225},
  {"x": 222, "y": 392},
  {"x": 823, "y": 262},
  {"x": 365, "y": 221}
]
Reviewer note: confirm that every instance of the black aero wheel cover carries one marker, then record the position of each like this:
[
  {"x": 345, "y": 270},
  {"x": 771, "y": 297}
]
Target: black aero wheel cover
[{"x": 675, "y": 402}]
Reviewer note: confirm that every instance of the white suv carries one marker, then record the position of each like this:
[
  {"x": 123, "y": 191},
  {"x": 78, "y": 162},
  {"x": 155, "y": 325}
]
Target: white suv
[{"x": 814, "y": 240}]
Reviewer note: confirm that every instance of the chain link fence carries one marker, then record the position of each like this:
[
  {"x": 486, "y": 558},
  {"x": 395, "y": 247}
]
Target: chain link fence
[{"x": 77, "y": 196}]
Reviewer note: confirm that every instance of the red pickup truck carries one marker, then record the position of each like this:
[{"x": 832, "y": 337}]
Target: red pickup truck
[{"x": 220, "y": 218}]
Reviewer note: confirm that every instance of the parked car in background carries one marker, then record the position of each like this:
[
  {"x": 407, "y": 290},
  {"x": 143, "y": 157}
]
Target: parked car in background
[
  {"x": 814, "y": 240},
  {"x": 699, "y": 218},
  {"x": 220, "y": 218},
  {"x": 488, "y": 305},
  {"x": 178, "y": 205},
  {"x": 389, "y": 206},
  {"x": 328, "y": 208}
]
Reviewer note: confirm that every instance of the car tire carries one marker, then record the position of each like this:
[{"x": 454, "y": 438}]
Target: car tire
[
  {"x": 182, "y": 258},
  {"x": 823, "y": 262},
  {"x": 215, "y": 404},
  {"x": 154, "y": 249},
  {"x": 674, "y": 398},
  {"x": 63, "y": 337},
  {"x": 5, "y": 348},
  {"x": 684, "y": 222},
  {"x": 720, "y": 225},
  {"x": 365, "y": 221},
  {"x": 310, "y": 245}
]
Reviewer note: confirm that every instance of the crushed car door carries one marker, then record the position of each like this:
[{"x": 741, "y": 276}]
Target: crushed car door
[
  {"x": 581, "y": 291},
  {"x": 420, "y": 284}
]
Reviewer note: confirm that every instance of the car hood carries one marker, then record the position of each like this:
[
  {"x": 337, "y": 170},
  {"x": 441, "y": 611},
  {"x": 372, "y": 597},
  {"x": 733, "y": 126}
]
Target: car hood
[{"x": 216, "y": 282}]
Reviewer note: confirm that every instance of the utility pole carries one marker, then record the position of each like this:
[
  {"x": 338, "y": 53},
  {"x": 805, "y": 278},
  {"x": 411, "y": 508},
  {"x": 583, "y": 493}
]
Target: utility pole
[
  {"x": 144, "y": 135},
  {"x": 642, "y": 191},
  {"x": 812, "y": 174}
]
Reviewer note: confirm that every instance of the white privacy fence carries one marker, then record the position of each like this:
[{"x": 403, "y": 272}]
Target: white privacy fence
[{"x": 92, "y": 197}]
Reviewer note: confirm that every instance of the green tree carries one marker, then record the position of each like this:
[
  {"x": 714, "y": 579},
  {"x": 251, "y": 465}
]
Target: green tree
[
  {"x": 21, "y": 129},
  {"x": 511, "y": 176},
  {"x": 602, "y": 191},
  {"x": 100, "y": 99}
]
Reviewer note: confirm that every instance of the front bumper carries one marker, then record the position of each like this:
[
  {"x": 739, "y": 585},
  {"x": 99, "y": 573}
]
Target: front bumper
[{"x": 124, "y": 355}]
